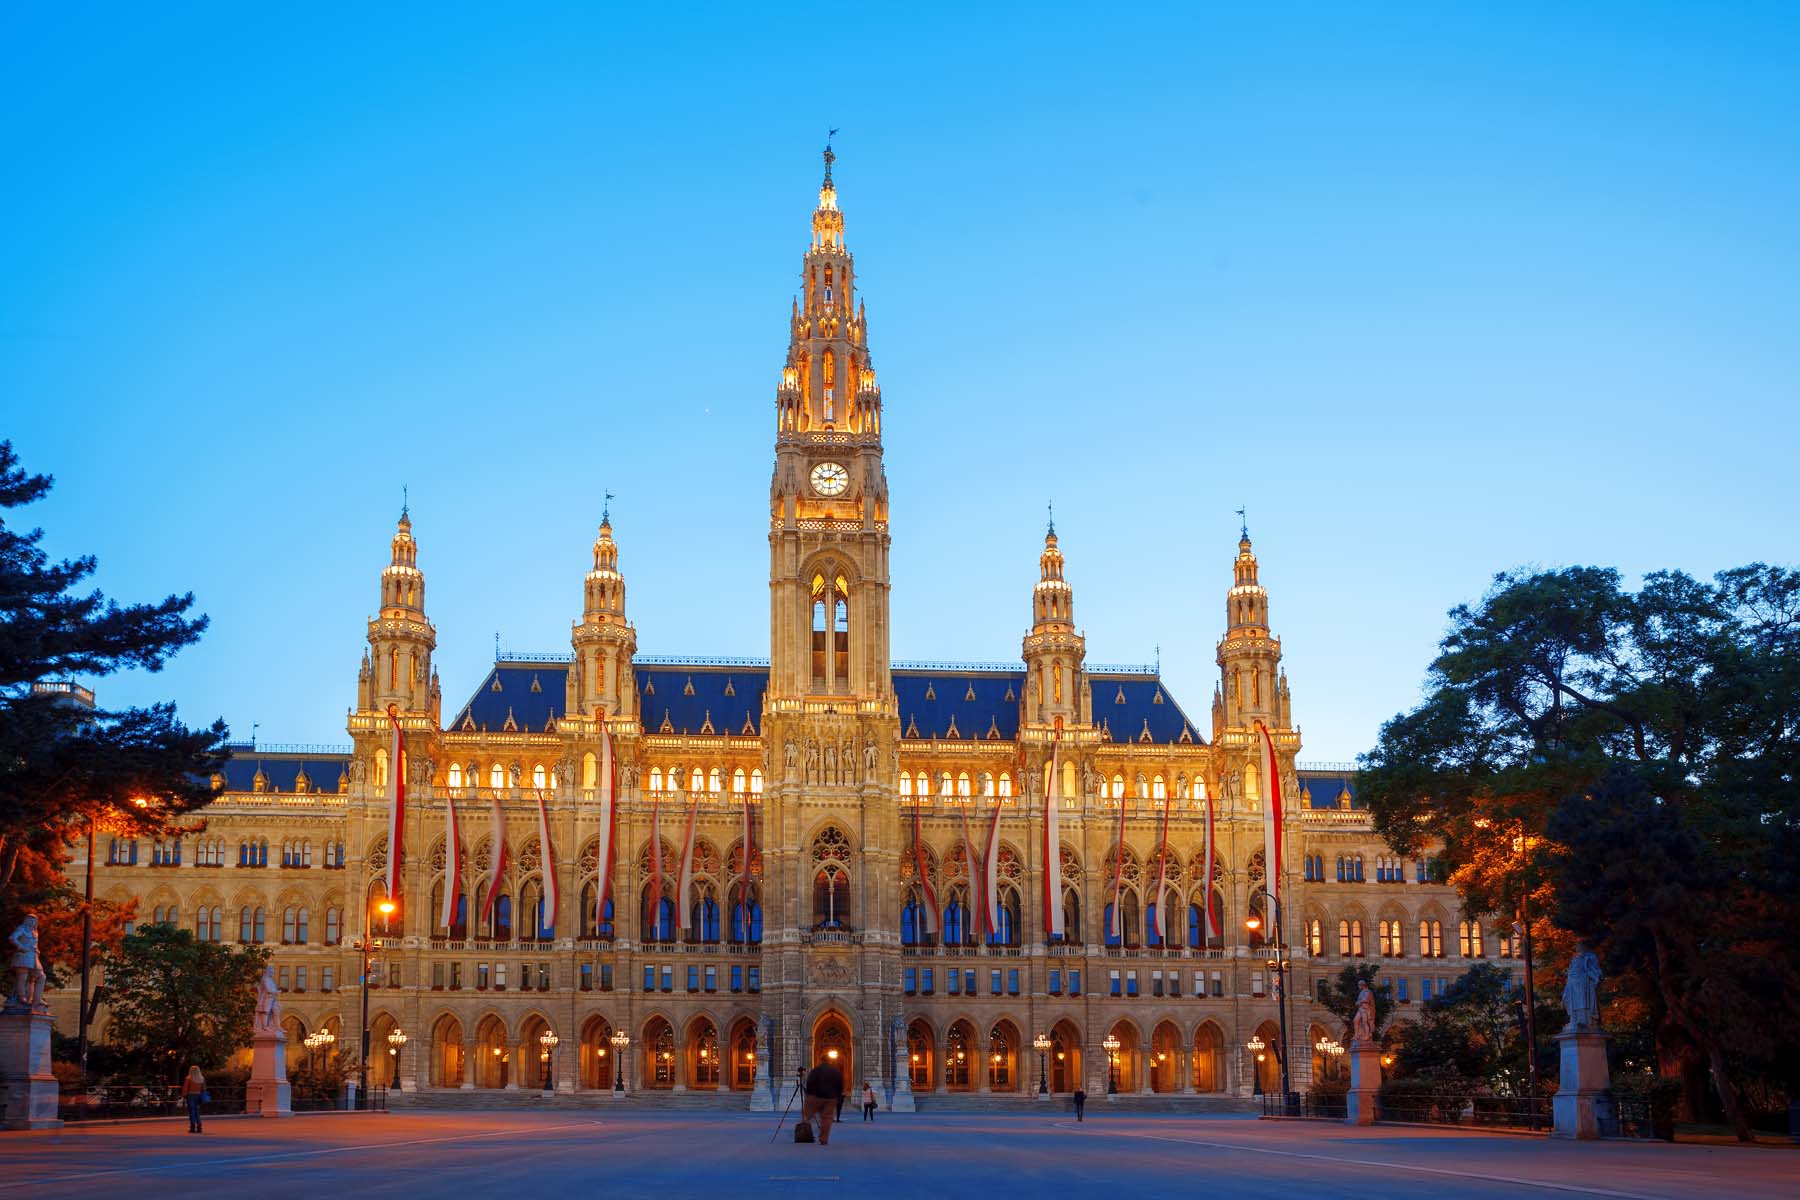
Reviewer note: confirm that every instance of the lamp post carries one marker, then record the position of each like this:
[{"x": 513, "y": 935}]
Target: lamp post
[
  {"x": 1256, "y": 1046},
  {"x": 1330, "y": 1050},
  {"x": 548, "y": 1040},
  {"x": 1111, "y": 1046},
  {"x": 1041, "y": 1043},
  {"x": 1278, "y": 972},
  {"x": 620, "y": 1040},
  {"x": 396, "y": 1040},
  {"x": 386, "y": 909}
]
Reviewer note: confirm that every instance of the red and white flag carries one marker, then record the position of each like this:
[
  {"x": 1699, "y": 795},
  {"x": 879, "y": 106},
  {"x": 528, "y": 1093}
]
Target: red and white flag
[
  {"x": 603, "y": 858},
  {"x": 684, "y": 879},
  {"x": 1115, "y": 924},
  {"x": 928, "y": 914},
  {"x": 1271, "y": 773},
  {"x": 453, "y": 859},
  {"x": 991, "y": 869},
  {"x": 1212, "y": 920},
  {"x": 547, "y": 848},
  {"x": 656, "y": 896},
  {"x": 1053, "y": 909},
  {"x": 501, "y": 858},
  {"x": 397, "y": 804},
  {"x": 1162, "y": 880},
  {"x": 978, "y": 905}
]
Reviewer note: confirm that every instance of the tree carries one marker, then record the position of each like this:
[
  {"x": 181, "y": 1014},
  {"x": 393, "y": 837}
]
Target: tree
[
  {"x": 1474, "y": 1028},
  {"x": 1546, "y": 688},
  {"x": 175, "y": 1001},
  {"x": 65, "y": 767}
]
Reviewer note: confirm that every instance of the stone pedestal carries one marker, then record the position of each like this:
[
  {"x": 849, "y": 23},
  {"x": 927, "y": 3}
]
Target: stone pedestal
[
  {"x": 903, "y": 1095},
  {"x": 28, "y": 1090},
  {"x": 267, "y": 1093},
  {"x": 1582, "y": 1106},
  {"x": 762, "y": 1096},
  {"x": 1365, "y": 1083}
]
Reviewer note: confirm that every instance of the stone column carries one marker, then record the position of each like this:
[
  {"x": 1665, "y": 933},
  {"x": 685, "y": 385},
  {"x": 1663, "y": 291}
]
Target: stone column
[
  {"x": 1365, "y": 1082},
  {"x": 762, "y": 1094},
  {"x": 28, "y": 1091},
  {"x": 267, "y": 1094},
  {"x": 1582, "y": 1106},
  {"x": 470, "y": 1051}
]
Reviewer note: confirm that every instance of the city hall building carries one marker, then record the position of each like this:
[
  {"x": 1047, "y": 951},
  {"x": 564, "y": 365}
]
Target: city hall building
[{"x": 822, "y": 851}]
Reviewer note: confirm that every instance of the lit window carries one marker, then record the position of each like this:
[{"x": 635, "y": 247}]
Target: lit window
[{"x": 756, "y": 782}]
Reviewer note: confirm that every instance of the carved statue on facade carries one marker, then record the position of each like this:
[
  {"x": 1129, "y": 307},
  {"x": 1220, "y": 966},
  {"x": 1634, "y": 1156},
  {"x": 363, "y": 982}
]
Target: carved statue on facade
[
  {"x": 869, "y": 760},
  {"x": 1363, "y": 1026},
  {"x": 268, "y": 1003},
  {"x": 830, "y": 775},
  {"x": 359, "y": 770},
  {"x": 28, "y": 970},
  {"x": 512, "y": 775},
  {"x": 847, "y": 761},
  {"x": 1581, "y": 992},
  {"x": 791, "y": 753}
]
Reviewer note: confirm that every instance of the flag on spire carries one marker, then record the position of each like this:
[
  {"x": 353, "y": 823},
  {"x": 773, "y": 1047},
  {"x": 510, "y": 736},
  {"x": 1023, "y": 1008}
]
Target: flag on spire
[
  {"x": 501, "y": 859},
  {"x": 547, "y": 848},
  {"x": 928, "y": 915},
  {"x": 453, "y": 863},
  {"x": 603, "y": 858},
  {"x": 396, "y": 803},
  {"x": 1271, "y": 790},
  {"x": 684, "y": 878},
  {"x": 1162, "y": 879},
  {"x": 1115, "y": 922},
  {"x": 1053, "y": 909}
]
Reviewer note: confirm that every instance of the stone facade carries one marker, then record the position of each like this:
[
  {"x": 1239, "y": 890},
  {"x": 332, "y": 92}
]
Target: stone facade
[{"x": 829, "y": 757}]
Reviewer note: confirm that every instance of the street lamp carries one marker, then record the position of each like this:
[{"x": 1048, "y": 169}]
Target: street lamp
[
  {"x": 1041, "y": 1043},
  {"x": 1330, "y": 1050},
  {"x": 1111, "y": 1046},
  {"x": 396, "y": 1039},
  {"x": 1278, "y": 971},
  {"x": 620, "y": 1040},
  {"x": 386, "y": 909},
  {"x": 548, "y": 1040},
  {"x": 1256, "y": 1046}
]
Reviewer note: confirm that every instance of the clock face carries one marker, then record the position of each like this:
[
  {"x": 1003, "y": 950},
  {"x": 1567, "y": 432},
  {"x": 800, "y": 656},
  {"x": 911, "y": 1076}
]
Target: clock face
[{"x": 830, "y": 479}]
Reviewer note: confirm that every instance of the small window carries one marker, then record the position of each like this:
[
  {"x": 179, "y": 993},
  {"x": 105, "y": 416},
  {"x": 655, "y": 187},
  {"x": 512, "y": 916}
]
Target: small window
[
  {"x": 1055, "y": 982},
  {"x": 911, "y": 981}
]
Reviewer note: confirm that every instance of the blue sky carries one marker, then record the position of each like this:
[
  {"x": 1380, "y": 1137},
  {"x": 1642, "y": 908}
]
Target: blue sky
[{"x": 1435, "y": 291}]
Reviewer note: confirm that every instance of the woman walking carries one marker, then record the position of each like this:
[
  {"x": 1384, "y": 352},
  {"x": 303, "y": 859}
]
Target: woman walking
[{"x": 192, "y": 1088}]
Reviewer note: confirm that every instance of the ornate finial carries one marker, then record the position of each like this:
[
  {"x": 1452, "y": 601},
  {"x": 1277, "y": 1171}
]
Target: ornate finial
[
  {"x": 1243, "y": 524},
  {"x": 829, "y": 156},
  {"x": 1159, "y": 659},
  {"x": 606, "y": 510},
  {"x": 1051, "y": 509},
  {"x": 496, "y": 645},
  {"x": 405, "y": 502}
]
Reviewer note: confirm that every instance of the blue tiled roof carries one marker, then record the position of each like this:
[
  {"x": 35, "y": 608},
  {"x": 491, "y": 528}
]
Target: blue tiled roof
[
  {"x": 939, "y": 703},
  {"x": 282, "y": 770},
  {"x": 1322, "y": 789}
]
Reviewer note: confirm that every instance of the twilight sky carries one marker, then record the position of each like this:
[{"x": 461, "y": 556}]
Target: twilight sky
[{"x": 1434, "y": 291}]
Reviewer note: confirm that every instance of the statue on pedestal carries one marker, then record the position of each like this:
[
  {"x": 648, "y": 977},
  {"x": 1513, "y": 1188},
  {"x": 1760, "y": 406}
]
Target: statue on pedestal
[
  {"x": 268, "y": 1004},
  {"x": 1363, "y": 1026},
  {"x": 28, "y": 990},
  {"x": 1581, "y": 992}
]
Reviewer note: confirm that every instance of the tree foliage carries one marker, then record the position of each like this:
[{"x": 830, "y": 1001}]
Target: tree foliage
[
  {"x": 1625, "y": 763},
  {"x": 175, "y": 1001},
  {"x": 132, "y": 771}
]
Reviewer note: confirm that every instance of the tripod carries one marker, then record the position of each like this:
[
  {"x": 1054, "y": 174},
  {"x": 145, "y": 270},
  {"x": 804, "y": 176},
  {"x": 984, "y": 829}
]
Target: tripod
[{"x": 799, "y": 1086}]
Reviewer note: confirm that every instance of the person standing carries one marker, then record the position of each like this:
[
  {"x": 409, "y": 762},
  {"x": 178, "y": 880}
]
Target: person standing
[
  {"x": 192, "y": 1088},
  {"x": 824, "y": 1094},
  {"x": 1080, "y": 1103},
  {"x": 868, "y": 1101}
]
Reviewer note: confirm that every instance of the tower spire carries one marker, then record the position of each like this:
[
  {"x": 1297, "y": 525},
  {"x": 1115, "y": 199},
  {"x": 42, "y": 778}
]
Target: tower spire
[
  {"x": 603, "y": 640},
  {"x": 1055, "y": 686}
]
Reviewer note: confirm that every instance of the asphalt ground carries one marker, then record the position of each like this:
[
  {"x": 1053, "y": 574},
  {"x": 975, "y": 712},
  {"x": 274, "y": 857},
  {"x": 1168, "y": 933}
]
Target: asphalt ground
[{"x": 669, "y": 1155}]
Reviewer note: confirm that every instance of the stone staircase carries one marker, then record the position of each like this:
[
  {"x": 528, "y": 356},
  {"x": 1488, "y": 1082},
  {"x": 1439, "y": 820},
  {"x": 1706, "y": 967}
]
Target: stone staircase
[{"x": 1026, "y": 1104}]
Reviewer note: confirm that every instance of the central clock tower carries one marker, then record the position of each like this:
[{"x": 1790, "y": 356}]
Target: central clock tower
[
  {"x": 830, "y": 812},
  {"x": 828, "y": 509}
]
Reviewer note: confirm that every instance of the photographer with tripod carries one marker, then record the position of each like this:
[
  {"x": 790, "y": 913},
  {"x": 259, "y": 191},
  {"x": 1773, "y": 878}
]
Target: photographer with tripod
[{"x": 824, "y": 1093}]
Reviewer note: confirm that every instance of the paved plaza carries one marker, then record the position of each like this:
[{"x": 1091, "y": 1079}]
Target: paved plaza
[{"x": 674, "y": 1155}]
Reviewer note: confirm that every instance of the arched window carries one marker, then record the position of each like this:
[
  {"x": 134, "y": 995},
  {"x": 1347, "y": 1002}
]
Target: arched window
[
  {"x": 455, "y": 779},
  {"x": 656, "y": 779},
  {"x": 1006, "y": 785},
  {"x": 921, "y": 786},
  {"x": 334, "y": 926},
  {"x": 1008, "y": 932},
  {"x": 1197, "y": 789},
  {"x": 659, "y": 917},
  {"x": 746, "y": 919},
  {"x": 1315, "y": 937},
  {"x": 1468, "y": 937},
  {"x": 987, "y": 783},
  {"x": 590, "y": 770},
  {"x": 539, "y": 779},
  {"x": 1118, "y": 787},
  {"x": 697, "y": 780},
  {"x": 905, "y": 784},
  {"x": 302, "y": 927},
  {"x": 497, "y": 777},
  {"x": 1350, "y": 938},
  {"x": 945, "y": 787},
  {"x": 713, "y": 781},
  {"x": 756, "y": 782},
  {"x": 737, "y": 781},
  {"x": 911, "y": 919},
  {"x": 1158, "y": 790},
  {"x": 1143, "y": 788},
  {"x": 958, "y": 929},
  {"x": 962, "y": 785}
]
